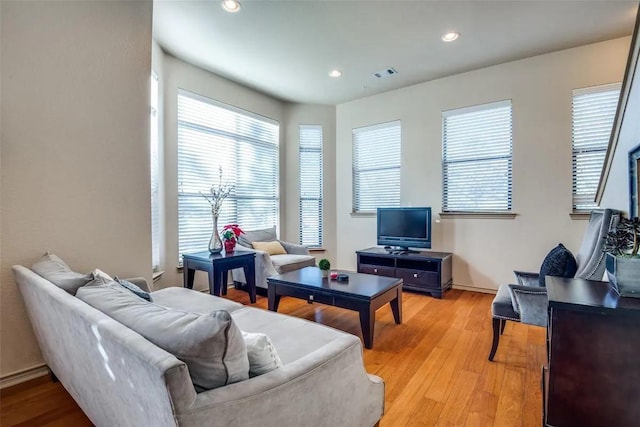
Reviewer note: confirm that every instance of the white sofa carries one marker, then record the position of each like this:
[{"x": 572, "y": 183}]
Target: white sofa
[
  {"x": 119, "y": 378},
  {"x": 297, "y": 256}
]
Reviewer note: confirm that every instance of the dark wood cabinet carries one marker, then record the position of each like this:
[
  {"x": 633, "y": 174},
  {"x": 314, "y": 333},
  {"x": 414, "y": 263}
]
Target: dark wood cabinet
[
  {"x": 593, "y": 372},
  {"x": 422, "y": 271}
]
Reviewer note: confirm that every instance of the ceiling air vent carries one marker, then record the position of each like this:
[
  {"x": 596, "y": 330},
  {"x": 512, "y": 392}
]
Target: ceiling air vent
[{"x": 385, "y": 73}]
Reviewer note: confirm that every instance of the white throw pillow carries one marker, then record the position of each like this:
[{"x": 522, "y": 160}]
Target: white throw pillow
[
  {"x": 210, "y": 344},
  {"x": 262, "y": 354}
]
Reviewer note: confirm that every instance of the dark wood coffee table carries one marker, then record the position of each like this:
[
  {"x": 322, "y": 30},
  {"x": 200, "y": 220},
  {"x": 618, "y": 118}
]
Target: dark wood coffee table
[{"x": 364, "y": 293}]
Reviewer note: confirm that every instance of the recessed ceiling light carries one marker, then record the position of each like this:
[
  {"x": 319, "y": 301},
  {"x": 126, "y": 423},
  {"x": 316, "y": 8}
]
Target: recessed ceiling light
[
  {"x": 231, "y": 5},
  {"x": 449, "y": 37},
  {"x": 335, "y": 73}
]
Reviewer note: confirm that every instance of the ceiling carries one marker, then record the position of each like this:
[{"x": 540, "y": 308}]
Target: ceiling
[{"x": 287, "y": 48}]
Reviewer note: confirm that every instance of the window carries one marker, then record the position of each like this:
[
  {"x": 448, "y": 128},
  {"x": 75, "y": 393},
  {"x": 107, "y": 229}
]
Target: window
[
  {"x": 476, "y": 158},
  {"x": 213, "y": 137},
  {"x": 594, "y": 109},
  {"x": 376, "y": 167},
  {"x": 155, "y": 173},
  {"x": 311, "y": 185}
]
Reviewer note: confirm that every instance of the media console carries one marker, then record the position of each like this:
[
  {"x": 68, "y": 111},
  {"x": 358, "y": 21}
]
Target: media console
[{"x": 424, "y": 271}]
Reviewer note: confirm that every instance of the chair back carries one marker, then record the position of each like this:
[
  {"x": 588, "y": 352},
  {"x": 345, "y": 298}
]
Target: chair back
[{"x": 590, "y": 257}]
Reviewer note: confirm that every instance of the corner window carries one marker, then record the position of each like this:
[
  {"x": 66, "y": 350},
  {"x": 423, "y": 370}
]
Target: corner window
[{"x": 310, "y": 160}]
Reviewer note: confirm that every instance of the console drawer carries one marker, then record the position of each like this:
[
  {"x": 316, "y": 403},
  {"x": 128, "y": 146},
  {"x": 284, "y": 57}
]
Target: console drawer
[
  {"x": 380, "y": 270},
  {"x": 418, "y": 277}
]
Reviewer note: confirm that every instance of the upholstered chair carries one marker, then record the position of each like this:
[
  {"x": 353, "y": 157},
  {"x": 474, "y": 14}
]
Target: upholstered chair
[
  {"x": 527, "y": 300},
  {"x": 268, "y": 264}
]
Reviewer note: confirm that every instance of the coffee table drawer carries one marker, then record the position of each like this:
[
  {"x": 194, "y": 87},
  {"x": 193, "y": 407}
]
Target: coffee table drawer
[
  {"x": 418, "y": 277},
  {"x": 380, "y": 270},
  {"x": 310, "y": 296}
]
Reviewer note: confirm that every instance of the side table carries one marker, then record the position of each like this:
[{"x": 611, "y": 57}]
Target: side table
[{"x": 218, "y": 266}]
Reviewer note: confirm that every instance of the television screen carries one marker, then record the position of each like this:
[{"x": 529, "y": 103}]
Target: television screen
[{"x": 404, "y": 227}]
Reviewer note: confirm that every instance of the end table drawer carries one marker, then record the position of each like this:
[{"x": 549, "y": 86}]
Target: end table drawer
[
  {"x": 418, "y": 277},
  {"x": 380, "y": 270}
]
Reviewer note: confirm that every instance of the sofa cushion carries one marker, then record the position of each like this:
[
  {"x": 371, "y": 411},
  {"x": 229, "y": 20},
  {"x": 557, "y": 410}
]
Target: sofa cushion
[
  {"x": 286, "y": 263},
  {"x": 558, "y": 262},
  {"x": 262, "y": 354},
  {"x": 272, "y": 248},
  {"x": 210, "y": 344},
  {"x": 184, "y": 299},
  {"x": 293, "y": 338},
  {"x": 135, "y": 289},
  {"x": 55, "y": 270},
  {"x": 264, "y": 235}
]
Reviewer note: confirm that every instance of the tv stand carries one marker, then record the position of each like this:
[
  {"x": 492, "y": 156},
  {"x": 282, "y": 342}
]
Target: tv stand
[{"x": 422, "y": 271}]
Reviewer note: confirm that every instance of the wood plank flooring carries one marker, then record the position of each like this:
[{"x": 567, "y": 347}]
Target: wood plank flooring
[{"x": 434, "y": 365}]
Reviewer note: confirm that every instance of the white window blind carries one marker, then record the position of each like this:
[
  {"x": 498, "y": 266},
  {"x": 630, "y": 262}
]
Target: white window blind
[
  {"x": 212, "y": 135},
  {"x": 310, "y": 160},
  {"x": 477, "y": 158},
  {"x": 155, "y": 173},
  {"x": 376, "y": 166},
  {"x": 594, "y": 109}
]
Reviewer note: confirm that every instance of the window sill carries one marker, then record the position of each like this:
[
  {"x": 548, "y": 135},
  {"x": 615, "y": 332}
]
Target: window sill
[
  {"x": 157, "y": 275},
  {"x": 479, "y": 215},
  {"x": 363, "y": 214},
  {"x": 580, "y": 215},
  {"x": 316, "y": 250}
]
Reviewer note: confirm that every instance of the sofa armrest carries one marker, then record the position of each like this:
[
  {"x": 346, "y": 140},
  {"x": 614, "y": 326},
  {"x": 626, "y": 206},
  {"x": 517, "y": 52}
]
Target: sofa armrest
[
  {"x": 531, "y": 302},
  {"x": 294, "y": 249},
  {"x": 527, "y": 279},
  {"x": 140, "y": 282},
  {"x": 264, "y": 267},
  {"x": 348, "y": 395}
]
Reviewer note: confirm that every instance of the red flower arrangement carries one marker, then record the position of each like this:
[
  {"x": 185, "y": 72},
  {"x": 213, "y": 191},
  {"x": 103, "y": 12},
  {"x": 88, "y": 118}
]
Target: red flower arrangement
[{"x": 231, "y": 232}]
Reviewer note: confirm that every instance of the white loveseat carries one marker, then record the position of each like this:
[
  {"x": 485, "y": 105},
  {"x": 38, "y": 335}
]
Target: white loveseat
[
  {"x": 119, "y": 378},
  {"x": 297, "y": 256}
]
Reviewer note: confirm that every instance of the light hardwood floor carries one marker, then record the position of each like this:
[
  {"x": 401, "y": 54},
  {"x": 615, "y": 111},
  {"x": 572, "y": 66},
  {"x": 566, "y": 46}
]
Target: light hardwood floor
[{"x": 434, "y": 366}]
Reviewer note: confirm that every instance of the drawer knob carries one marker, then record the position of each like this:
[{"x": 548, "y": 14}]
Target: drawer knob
[
  {"x": 375, "y": 270},
  {"x": 415, "y": 275}
]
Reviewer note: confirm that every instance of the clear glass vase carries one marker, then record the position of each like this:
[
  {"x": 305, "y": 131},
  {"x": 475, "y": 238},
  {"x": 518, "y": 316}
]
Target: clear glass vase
[{"x": 215, "y": 244}]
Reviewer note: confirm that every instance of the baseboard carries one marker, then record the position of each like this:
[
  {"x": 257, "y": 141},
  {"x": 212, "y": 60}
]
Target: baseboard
[
  {"x": 475, "y": 289},
  {"x": 23, "y": 375}
]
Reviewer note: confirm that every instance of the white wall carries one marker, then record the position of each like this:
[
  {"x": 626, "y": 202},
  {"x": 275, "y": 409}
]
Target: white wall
[
  {"x": 75, "y": 132},
  {"x": 486, "y": 250},
  {"x": 304, "y": 114},
  {"x": 616, "y": 191},
  {"x": 179, "y": 74}
]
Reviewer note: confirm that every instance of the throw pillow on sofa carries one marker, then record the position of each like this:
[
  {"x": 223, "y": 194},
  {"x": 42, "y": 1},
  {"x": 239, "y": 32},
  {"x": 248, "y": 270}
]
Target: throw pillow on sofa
[
  {"x": 210, "y": 344},
  {"x": 134, "y": 288},
  {"x": 262, "y": 354},
  {"x": 55, "y": 270},
  {"x": 558, "y": 262},
  {"x": 272, "y": 248}
]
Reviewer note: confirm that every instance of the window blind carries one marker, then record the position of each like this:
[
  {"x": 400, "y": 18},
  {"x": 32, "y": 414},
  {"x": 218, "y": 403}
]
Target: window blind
[
  {"x": 477, "y": 158},
  {"x": 594, "y": 109},
  {"x": 310, "y": 160},
  {"x": 211, "y": 137},
  {"x": 155, "y": 173},
  {"x": 376, "y": 166}
]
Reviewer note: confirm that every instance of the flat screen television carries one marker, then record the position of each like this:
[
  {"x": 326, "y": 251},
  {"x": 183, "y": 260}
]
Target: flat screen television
[{"x": 402, "y": 228}]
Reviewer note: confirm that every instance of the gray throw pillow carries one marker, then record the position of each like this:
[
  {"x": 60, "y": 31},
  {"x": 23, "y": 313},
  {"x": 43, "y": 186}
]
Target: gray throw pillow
[
  {"x": 558, "y": 262},
  {"x": 210, "y": 344},
  {"x": 134, "y": 288},
  {"x": 56, "y": 271}
]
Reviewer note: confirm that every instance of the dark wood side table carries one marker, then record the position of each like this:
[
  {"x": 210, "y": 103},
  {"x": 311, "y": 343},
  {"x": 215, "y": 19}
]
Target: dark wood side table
[
  {"x": 593, "y": 375},
  {"x": 218, "y": 266}
]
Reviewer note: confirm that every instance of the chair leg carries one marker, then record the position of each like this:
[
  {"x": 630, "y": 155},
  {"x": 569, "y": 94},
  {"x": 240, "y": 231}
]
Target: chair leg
[
  {"x": 503, "y": 323},
  {"x": 497, "y": 325}
]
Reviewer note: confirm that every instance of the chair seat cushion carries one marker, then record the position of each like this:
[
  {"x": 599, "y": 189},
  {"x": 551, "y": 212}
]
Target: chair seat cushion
[
  {"x": 502, "y": 306},
  {"x": 289, "y": 262}
]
